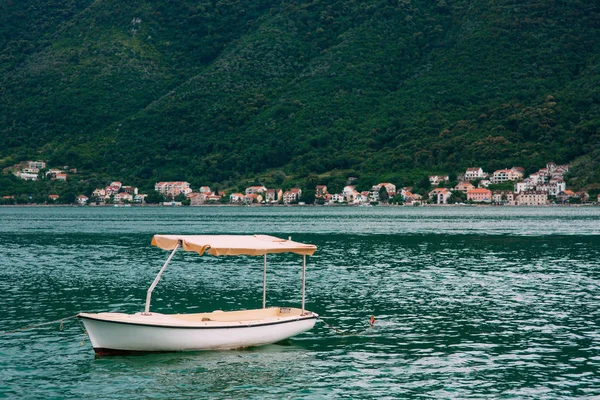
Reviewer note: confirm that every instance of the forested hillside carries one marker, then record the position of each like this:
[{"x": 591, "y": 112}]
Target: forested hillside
[{"x": 230, "y": 90}]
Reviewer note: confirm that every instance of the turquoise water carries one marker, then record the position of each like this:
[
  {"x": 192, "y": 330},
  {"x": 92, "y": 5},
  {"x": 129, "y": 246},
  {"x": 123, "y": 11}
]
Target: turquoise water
[{"x": 470, "y": 302}]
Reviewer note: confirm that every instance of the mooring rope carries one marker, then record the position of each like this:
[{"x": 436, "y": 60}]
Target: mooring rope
[
  {"x": 349, "y": 333},
  {"x": 60, "y": 327}
]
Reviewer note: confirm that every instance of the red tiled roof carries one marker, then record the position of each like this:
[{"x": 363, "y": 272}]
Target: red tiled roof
[{"x": 475, "y": 191}]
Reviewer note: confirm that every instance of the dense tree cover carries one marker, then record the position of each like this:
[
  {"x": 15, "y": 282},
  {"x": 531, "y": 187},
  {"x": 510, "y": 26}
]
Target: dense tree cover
[{"x": 224, "y": 92}]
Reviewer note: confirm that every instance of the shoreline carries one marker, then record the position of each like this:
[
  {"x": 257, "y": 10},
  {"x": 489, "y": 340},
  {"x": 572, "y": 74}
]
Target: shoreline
[{"x": 298, "y": 205}]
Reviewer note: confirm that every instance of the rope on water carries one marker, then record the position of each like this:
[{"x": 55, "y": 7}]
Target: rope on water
[
  {"x": 349, "y": 333},
  {"x": 60, "y": 327}
]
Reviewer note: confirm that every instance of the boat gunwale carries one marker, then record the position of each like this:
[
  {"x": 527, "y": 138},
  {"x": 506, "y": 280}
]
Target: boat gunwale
[{"x": 296, "y": 319}]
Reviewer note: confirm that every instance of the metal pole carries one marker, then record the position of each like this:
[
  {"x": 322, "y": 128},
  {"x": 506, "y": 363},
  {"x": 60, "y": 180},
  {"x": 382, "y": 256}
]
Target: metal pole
[
  {"x": 303, "y": 280},
  {"x": 265, "y": 284},
  {"x": 149, "y": 295}
]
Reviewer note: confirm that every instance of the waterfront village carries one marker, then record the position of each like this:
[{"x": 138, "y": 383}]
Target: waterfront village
[{"x": 474, "y": 186}]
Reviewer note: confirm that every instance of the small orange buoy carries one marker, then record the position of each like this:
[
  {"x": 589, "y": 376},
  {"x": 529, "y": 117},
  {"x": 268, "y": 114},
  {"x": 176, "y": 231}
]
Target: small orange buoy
[{"x": 372, "y": 322}]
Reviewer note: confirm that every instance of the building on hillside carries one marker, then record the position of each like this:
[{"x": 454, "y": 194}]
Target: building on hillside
[
  {"x": 348, "y": 192},
  {"x": 338, "y": 198},
  {"x": 236, "y": 198},
  {"x": 390, "y": 188},
  {"x": 536, "y": 178},
  {"x": 253, "y": 198},
  {"x": 256, "y": 189},
  {"x": 484, "y": 183},
  {"x": 51, "y": 173},
  {"x": 503, "y": 197},
  {"x": 524, "y": 185},
  {"x": 362, "y": 197},
  {"x": 116, "y": 184},
  {"x": 583, "y": 196},
  {"x": 27, "y": 176},
  {"x": 435, "y": 180},
  {"x": 433, "y": 195},
  {"x": 36, "y": 165},
  {"x": 123, "y": 197},
  {"x": 61, "y": 177},
  {"x": 320, "y": 191},
  {"x": 205, "y": 189},
  {"x": 402, "y": 192},
  {"x": 557, "y": 185},
  {"x": 216, "y": 198},
  {"x": 292, "y": 196},
  {"x": 356, "y": 197},
  {"x": 479, "y": 195},
  {"x": 53, "y": 197},
  {"x": 464, "y": 187},
  {"x": 412, "y": 198},
  {"x": 532, "y": 198},
  {"x": 111, "y": 190},
  {"x": 139, "y": 198},
  {"x": 474, "y": 173},
  {"x": 565, "y": 196},
  {"x": 130, "y": 189},
  {"x": 274, "y": 195},
  {"x": 98, "y": 194},
  {"x": 171, "y": 189},
  {"x": 196, "y": 199},
  {"x": 442, "y": 196},
  {"x": 505, "y": 175},
  {"x": 82, "y": 199}
]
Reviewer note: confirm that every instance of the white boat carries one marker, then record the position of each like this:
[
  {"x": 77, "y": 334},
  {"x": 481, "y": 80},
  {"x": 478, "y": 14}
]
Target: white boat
[{"x": 118, "y": 333}]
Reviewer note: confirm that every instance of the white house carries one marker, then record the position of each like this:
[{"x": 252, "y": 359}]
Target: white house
[
  {"x": 28, "y": 176},
  {"x": 474, "y": 173},
  {"x": 556, "y": 186},
  {"x": 99, "y": 193},
  {"x": 256, "y": 190},
  {"x": 236, "y": 198},
  {"x": 36, "y": 164},
  {"x": 348, "y": 192},
  {"x": 363, "y": 197},
  {"x": 524, "y": 185},
  {"x": 123, "y": 196},
  {"x": 292, "y": 196},
  {"x": 338, "y": 198},
  {"x": 504, "y": 175},
  {"x": 82, "y": 199},
  {"x": 443, "y": 196},
  {"x": 437, "y": 179}
]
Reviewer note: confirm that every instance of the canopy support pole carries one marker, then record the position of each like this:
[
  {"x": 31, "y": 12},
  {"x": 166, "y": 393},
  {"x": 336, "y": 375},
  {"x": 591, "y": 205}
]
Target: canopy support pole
[
  {"x": 265, "y": 283},
  {"x": 303, "y": 280},
  {"x": 149, "y": 295}
]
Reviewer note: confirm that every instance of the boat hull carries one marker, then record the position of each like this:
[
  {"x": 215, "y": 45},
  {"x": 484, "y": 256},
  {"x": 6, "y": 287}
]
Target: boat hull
[{"x": 117, "y": 337}]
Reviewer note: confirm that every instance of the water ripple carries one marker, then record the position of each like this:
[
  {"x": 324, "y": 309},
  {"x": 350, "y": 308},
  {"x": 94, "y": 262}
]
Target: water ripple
[{"x": 496, "y": 312}]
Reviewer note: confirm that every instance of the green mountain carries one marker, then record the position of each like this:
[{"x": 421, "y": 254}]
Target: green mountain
[{"x": 222, "y": 91}]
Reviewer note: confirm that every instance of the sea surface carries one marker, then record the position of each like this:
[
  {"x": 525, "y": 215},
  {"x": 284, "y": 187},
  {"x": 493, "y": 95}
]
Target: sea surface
[{"x": 470, "y": 302}]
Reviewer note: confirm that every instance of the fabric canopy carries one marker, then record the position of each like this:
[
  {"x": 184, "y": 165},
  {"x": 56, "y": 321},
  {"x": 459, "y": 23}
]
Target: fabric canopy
[{"x": 233, "y": 245}]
